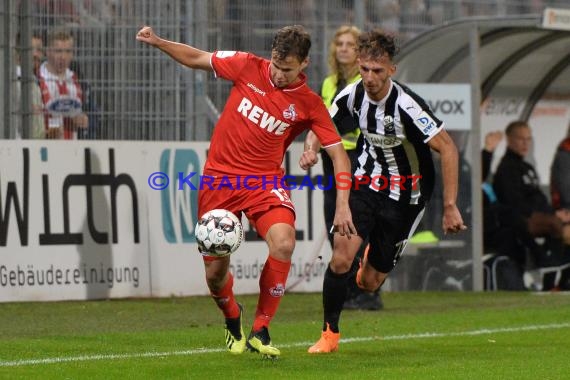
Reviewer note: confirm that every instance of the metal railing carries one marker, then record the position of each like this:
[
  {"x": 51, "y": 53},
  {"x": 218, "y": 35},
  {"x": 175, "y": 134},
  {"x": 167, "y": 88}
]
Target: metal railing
[{"x": 138, "y": 93}]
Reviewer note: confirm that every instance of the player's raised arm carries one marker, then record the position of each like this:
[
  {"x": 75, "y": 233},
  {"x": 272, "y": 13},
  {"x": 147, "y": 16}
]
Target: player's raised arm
[{"x": 184, "y": 54}]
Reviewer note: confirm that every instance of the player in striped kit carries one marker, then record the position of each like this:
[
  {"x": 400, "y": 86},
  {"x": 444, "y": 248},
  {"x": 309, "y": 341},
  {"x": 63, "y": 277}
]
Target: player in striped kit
[{"x": 394, "y": 178}]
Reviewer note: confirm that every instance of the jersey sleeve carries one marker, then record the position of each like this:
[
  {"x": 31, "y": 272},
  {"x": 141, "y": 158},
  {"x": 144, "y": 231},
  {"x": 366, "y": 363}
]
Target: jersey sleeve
[
  {"x": 422, "y": 116},
  {"x": 229, "y": 64},
  {"x": 340, "y": 112},
  {"x": 323, "y": 126}
]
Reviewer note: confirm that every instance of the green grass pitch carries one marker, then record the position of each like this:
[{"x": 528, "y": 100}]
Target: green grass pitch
[{"x": 417, "y": 336}]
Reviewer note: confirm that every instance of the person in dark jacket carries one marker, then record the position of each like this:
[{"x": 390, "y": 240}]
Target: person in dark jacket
[
  {"x": 560, "y": 183},
  {"x": 517, "y": 185},
  {"x": 505, "y": 234}
]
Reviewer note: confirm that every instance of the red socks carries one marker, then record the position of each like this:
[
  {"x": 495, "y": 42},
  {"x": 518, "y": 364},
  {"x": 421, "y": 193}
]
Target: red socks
[
  {"x": 225, "y": 299},
  {"x": 271, "y": 289}
]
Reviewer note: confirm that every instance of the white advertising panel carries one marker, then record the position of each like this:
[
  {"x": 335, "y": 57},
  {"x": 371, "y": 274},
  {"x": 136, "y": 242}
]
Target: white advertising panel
[
  {"x": 71, "y": 224},
  {"x": 450, "y": 102},
  {"x": 556, "y": 18},
  {"x": 176, "y": 264},
  {"x": 83, "y": 220}
]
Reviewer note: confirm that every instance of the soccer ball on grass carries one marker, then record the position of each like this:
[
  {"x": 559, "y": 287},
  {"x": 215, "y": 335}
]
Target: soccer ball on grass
[{"x": 218, "y": 233}]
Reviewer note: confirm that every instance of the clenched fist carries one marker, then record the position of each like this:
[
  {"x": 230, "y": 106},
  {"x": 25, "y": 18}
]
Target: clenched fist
[
  {"x": 147, "y": 35},
  {"x": 308, "y": 159}
]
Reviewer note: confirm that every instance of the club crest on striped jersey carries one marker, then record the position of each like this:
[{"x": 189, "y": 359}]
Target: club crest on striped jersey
[{"x": 388, "y": 123}]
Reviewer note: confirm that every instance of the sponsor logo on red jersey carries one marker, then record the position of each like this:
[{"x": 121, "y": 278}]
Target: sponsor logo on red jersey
[{"x": 262, "y": 118}]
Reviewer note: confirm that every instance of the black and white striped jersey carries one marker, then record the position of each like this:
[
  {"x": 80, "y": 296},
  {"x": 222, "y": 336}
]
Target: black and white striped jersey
[{"x": 393, "y": 150}]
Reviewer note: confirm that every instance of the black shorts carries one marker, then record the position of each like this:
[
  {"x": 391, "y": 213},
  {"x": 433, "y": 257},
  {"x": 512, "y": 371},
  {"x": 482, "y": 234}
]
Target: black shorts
[{"x": 387, "y": 224}]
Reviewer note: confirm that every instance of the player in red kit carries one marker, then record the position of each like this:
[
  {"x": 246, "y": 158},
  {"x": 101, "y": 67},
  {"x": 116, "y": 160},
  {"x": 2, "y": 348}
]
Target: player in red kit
[{"x": 269, "y": 104}]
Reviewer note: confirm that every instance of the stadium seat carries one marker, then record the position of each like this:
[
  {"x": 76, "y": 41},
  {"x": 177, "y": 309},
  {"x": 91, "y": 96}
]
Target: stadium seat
[{"x": 548, "y": 278}]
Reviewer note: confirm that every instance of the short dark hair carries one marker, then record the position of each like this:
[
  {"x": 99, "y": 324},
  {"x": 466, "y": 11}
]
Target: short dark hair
[
  {"x": 58, "y": 35},
  {"x": 376, "y": 43},
  {"x": 515, "y": 125},
  {"x": 35, "y": 34},
  {"x": 291, "y": 40}
]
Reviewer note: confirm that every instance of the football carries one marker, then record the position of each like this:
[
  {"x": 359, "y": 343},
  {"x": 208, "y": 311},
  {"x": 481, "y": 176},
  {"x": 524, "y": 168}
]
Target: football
[{"x": 218, "y": 233}]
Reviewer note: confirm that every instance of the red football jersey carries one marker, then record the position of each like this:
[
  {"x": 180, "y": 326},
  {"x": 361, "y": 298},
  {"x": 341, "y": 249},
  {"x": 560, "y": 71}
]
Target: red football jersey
[{"x": 260, "y": 120}]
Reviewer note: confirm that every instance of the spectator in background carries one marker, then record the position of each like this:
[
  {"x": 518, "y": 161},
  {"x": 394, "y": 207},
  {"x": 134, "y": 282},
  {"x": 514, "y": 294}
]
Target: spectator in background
[
  {"x": 343, "y": 70},
  {"x": 73, "y": 13},
  {"x": 384, "y": 14},
  {"x": 560, "y": 182},
  {"x": 505, "y": 234},
  {"x": 517, "y": 185},
  {"x": 66, "y": 100},
  {"x": 37, "y": 52},
  {"x": 492, "y": 140},
  {"x": 37, "y": 119}
]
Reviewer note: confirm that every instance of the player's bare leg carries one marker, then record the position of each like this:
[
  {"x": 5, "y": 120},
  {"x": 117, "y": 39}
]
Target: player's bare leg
[{"x": 368, "y": 278}]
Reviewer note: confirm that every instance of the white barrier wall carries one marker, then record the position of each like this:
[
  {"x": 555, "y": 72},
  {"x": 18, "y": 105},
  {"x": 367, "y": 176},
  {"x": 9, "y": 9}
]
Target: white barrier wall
[{"x": 79, "y": 220}]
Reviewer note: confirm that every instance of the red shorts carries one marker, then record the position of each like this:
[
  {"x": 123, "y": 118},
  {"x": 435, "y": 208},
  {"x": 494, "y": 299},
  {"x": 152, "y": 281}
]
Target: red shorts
[{"x": 264, "y": 203}]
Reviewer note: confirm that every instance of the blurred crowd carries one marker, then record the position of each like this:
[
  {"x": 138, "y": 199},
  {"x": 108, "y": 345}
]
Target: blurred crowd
[{"x": 106, "y": 62}]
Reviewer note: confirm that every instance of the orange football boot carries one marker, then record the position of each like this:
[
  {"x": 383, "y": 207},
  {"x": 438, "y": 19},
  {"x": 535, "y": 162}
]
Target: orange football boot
[{"x": 327, "y": 343}]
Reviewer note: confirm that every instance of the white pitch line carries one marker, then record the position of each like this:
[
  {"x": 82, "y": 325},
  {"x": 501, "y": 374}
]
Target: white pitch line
[{"x": 199, "y": 351}]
